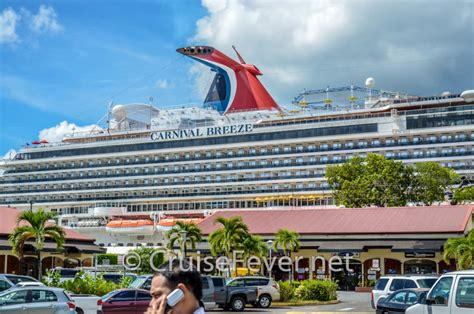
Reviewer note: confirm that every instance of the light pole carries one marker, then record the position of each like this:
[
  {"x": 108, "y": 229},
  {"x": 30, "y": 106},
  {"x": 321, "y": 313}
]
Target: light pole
[
  {"x": 183, "y": 243},
  {"x": 270, "y": 243}
]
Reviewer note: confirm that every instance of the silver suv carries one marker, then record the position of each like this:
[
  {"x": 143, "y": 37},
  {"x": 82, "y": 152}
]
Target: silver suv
[
  {"x": 386, "y": 285},
  {"x": 267, "y": 289}
]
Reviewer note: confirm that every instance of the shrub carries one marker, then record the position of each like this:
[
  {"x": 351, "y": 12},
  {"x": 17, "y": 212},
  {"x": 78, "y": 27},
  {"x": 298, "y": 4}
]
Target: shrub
[
  {"x": 286, "y": 291},
  {"x": 112, "y": 258},
  {"x": 84, "y": 283},
  {"x": 320, "y": 290}
]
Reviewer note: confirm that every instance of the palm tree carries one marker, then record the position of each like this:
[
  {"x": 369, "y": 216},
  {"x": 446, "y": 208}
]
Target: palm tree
[
  {"x": 462, "y": 250},
  {"x": 289, "y": 241},
  {"x": 254, "y": 246},
  {"x": 35, "y": 226},
  {"x": 193, "y": 236},
  {"x": 229, "y": 237}
]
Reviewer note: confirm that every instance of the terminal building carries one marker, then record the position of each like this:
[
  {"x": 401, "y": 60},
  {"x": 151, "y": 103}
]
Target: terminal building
[{"x": 381, "y": 241}]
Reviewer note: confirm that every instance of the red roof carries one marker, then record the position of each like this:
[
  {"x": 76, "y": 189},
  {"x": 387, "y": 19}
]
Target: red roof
[
  {"x": 8, "y": 223},
  {"x": 373, "y": 220}
]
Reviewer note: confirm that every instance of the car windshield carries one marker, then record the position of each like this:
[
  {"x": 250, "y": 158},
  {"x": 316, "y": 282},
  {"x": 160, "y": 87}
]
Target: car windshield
[
  {"x": 108, "y": 295},
  {"x": 137, "y": 282},
  {"x": 17, "y": 279},
  {"x": 68, "y": 272},
  {"x": 427, "y": 282}
]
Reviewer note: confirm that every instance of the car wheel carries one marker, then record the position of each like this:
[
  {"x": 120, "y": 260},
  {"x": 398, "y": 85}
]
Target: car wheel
[
  {"x": 265, "y": 301},
  {"x": 79, "y": 311},
  {"x": 237, "y": 304}
]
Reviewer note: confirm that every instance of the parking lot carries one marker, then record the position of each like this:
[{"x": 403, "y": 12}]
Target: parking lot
[{"x": 351, "y": 302}]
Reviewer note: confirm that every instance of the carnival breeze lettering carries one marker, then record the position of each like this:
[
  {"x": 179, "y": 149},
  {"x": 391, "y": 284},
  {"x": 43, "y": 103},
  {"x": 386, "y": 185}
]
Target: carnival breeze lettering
[{"x": 199, "y": 132}]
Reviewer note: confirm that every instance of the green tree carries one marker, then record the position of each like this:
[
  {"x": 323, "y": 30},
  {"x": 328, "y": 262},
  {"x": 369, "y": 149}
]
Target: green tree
[
  {"x": 193, "y": 235},
  {"x": 289, "y": 241},
  {"x": 377, "y": 181},
  {"x": 36, "y": 226},
  {"x": 463, "y": 195},
  {"x": 229, "y": 237},
  {"x": 254, "y": 246},
  {"x": 430, "y": 181},
  {"x": 462, "y": 250},
  {"x": 145, "y": 253}
]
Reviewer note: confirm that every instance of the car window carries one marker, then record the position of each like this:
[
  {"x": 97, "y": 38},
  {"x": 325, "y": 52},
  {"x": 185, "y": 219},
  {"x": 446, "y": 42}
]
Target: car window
[
  {"x": 381, "y": 284},
  {"x": 43, "y": 296},
  {"x": 68, "y": 273},
  {"x": 397, "y": 284},
  {"x": 124, "y": 296},
  {"x": 411, "y": 298},
  {"x": 205, "y": 283},
  {"x": 236, "y": 283},
  {"x": 4, "y": 285},
  {"x": 465, "y": 292},
  {"x": 147, "y": 284},
  {"x": 253, "y": 282},
  {"x": 16, "y": 297},
  {"x": 143, "y": 296},
  {"x": 399, "y": 297},
  {"x": 426, "y": 282},
  {"x": 440, "y": 291},
  {"x": 410, "y": 284},
  {"x": 218, "y": 282},
  {"x": 263, "y": 282}
]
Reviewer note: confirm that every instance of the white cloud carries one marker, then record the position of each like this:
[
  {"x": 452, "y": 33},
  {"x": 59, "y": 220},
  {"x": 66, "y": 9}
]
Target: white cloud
[
  {"x": 58, "y": 132},
  {"x": 313, "y": 44},
  {"x": 8, "y": 23},
  {"x": 46, "y": 20},
  {"x": 162, "y": 83}
]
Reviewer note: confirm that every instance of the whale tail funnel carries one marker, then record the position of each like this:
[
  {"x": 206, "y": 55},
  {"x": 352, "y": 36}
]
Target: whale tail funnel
[{"x": 235, "y": 86}]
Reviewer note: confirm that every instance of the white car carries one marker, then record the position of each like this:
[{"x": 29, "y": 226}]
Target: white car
[
  {"x": 386, "y": 285},
  {"x": 267, "y": 290},
  {"x": 86, "y": 304},
  {"x": 453, "y": 293}
]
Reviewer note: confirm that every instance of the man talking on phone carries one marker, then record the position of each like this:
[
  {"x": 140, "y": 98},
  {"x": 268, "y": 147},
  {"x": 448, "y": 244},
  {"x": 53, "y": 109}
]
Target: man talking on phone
[{"x": 176, "y": 292}]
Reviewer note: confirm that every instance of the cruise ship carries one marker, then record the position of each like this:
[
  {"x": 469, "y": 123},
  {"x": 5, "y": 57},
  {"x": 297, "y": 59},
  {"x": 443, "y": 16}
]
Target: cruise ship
[{"x": 131, "y": 178}]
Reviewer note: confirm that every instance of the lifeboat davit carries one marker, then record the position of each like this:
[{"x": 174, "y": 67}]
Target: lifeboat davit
[
  {"x": 135, "y": 227},
  {"x": 166, "y": 224}
]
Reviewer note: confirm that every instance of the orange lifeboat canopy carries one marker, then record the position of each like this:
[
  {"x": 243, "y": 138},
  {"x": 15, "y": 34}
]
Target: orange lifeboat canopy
[{"x": 135, "y": 226}]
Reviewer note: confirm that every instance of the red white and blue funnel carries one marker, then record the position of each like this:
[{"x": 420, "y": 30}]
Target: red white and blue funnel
[{"x": 235, "y": 86}]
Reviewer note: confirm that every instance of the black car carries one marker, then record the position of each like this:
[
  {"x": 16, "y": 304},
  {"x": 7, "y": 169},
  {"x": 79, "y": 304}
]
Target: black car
[{"x": 400, "y": 300}]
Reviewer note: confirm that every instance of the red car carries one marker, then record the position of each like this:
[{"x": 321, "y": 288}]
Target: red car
[{"x": 130, "y": 301}]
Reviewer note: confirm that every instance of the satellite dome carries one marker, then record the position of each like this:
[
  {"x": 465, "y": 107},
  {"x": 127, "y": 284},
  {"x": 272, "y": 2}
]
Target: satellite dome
[
  {"x": 119, "y": 112},
  {"x": 370, "y": 82},
  {"x": 468, "y": 95},
  {"x": 446, "y": 94}
]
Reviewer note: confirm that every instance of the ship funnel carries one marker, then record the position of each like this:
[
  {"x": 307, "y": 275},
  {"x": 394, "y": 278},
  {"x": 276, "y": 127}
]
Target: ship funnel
[{"x": 235, "y": 86}]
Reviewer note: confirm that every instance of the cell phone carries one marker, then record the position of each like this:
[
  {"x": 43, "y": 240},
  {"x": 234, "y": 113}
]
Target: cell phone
[{"x": 174, "y": 297}]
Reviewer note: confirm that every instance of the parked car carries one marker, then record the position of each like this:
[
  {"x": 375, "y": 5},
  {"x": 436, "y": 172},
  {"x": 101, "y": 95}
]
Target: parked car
[
  {"x": 142, "y": 282},
  {"x": 117, "y": 277},
  {"x": 386, "y": 285},
  {"x": 66, "y": 273},
  {"x": 400, "y": 300},
  {"x": 36, "y": 300},
  {"x": 237, "y": 295},
  {"x": 8, "y": 281},
  {"x": 86, "y": 303},
  {"x": 129, "y": 300},
  {"x": 453, "y": 293},
  {"x": 267, "y": 289}
]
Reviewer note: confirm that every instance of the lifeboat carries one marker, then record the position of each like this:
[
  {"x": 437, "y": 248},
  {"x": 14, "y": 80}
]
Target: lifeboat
[
  {"x": 134, "y": 227},
  {"x": 166, "y": 224}
]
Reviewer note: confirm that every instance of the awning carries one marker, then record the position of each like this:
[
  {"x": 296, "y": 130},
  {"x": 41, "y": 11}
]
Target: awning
[
  {"x": 87, "y": 248},
  {"x": 418, "y": 246}
]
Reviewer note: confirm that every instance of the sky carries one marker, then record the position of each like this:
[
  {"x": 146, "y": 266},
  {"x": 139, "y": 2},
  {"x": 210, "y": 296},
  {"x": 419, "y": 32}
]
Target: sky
[{"x": 63, "y": 62}]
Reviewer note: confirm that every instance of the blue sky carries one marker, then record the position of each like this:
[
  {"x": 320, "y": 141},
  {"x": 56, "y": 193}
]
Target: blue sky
[{"x": 65, "y": 60}]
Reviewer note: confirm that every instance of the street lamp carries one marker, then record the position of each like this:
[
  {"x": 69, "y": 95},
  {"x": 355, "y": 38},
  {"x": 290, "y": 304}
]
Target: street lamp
[
  {"x": 183, "y": 243},
  {"x": 270, "y": 243},
  {"x": 31, "y": 205}
]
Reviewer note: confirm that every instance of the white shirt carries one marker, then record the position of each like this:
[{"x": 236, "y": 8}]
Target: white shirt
[{"x": 199, "y": 311}]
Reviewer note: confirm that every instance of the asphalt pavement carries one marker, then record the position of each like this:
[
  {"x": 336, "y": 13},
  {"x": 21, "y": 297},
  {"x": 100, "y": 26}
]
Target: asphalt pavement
[{"x": 351, "y": 302}]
